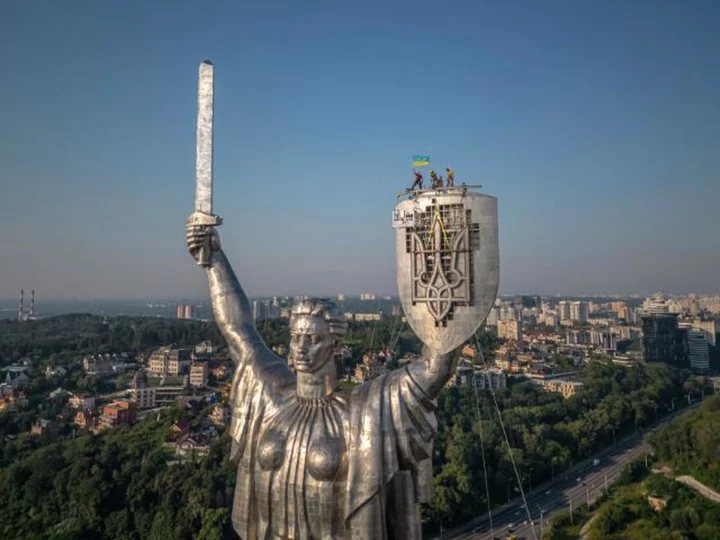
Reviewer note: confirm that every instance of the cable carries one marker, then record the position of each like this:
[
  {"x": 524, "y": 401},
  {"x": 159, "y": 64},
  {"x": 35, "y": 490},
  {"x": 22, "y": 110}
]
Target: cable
[
  {"x": 507, "y": 442},
  {"x": 482, "y": 453}
]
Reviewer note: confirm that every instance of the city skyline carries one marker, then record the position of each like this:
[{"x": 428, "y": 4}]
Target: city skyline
[{"x": 595, "y": 126}]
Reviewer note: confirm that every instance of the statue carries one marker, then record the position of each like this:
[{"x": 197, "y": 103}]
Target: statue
[{"x": 317, "y": 462}]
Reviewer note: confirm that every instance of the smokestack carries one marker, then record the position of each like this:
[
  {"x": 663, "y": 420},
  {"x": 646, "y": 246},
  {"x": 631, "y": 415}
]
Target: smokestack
[
  {"x": 20, "y": 309},
  {"x": 32, "y": 303}
]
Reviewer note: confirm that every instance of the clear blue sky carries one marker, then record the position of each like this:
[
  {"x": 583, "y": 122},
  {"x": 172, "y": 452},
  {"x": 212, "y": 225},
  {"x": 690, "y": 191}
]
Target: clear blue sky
[{"x": 597, "y": 124}]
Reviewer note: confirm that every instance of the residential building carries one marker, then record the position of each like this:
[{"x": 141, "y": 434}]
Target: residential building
[
  {"x": 156, "y": 396},
  {"x": 341, "y": 297},
  {"x": 119, "y": 412},
  {"x": 169, "y": 360},
  {"x": 564, "y": 310},
  {"x": 188, "y": 312},
  {"x": 57, "y": 371},
  {"x": 13, "y": 400},
  {"x": 367, "y": 296},
  {"x": 708, "y": 327},
  {"x": 16, "y": 376},
  {"x": 663, "y": 340},
  {"x": 204, "y": 349},
  {"x": 193, "y": 444},
  {"x": 699, "y": 351},
  {"x": 511, "y": 330},
  {"x": 179, "y": 312},
  {"x": 579, "y": 312},
  {"x": 561, "y": 386},
  {"x": 43, "y": 428},
  {"x": 199, "y": 374},
  {"x": 220, "y": 415},
  {"x": 82, "y": 401},
  {"x": 490, "y": 378},
  {"x": 603, "y": 339},
  {"x": 98, "y": 364},
  {"x": 87, "y": 419},
  {"x": 179, "y": 429}
]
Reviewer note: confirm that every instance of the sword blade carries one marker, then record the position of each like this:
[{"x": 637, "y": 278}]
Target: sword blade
[{"x": 204, "y": 141}]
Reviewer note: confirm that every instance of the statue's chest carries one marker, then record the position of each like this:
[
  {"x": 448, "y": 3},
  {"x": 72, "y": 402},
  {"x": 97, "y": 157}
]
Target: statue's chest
[{"x": 304, "y": 444}]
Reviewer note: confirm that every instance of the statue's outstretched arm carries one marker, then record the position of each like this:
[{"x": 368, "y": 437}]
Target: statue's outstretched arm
[{"x": 433, "y": 371}]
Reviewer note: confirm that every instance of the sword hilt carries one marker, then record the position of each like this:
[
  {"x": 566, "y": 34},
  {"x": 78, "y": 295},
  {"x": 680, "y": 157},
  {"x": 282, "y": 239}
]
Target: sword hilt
[{"x": 200, "y": 219}]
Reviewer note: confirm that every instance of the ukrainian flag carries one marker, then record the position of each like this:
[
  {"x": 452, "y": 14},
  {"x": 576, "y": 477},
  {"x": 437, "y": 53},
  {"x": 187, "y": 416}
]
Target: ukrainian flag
[{"x": 421, "y": 161}]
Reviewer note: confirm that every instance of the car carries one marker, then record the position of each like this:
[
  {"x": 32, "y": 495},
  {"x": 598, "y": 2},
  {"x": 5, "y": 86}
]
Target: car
[
  {"x": 579, "y": 479},
  {"x": 548, "y": 492},
  {"x": 518, "y": 512},
  {"x": 596, "y": 462}
]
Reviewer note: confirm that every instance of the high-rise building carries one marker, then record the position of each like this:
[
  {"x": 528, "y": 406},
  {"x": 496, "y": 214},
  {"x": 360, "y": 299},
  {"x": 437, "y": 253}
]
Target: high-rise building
[
  {"x": 698, "y": 351},
  {"x": 188, "y": 312},
  {"x": 604, "y": 339},
  {"x": 341, "y": 297},
  {"x": 564, "y": 310},
  {"x": 663, "y": 341},
  {"x": 179, "y": 312},
  {"x": 511, "y": 330},
  {"x": 707, "y": 327},
  {"x": 579, "y": 312}
]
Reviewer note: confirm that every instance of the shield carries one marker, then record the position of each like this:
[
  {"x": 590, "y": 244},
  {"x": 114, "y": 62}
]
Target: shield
[{"x": 447, "y": 264}]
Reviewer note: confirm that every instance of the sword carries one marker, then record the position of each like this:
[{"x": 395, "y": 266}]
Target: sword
[{"x": 203, "y": 215}]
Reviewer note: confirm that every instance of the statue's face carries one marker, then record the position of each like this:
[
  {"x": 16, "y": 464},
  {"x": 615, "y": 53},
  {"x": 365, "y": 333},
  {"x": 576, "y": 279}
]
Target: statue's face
[{"x": 311, "y": 344}]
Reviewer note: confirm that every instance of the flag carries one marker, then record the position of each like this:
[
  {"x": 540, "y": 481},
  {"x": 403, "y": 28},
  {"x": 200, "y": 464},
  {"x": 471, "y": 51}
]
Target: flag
[{"x": 421, "y": 161}]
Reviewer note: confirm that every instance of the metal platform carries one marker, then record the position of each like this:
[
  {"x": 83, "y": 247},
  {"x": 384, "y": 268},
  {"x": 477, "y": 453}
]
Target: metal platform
[{"x": 462, "y": 189}]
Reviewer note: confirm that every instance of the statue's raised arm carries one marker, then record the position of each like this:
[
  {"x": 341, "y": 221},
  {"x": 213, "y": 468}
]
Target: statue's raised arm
[{"x": 232, "y": 309}]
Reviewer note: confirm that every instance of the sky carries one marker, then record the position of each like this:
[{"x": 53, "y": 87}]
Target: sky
[{"x": 596, "y": 124}]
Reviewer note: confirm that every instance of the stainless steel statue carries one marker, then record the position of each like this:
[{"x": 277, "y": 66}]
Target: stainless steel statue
[{"x": 316, "y": 462}]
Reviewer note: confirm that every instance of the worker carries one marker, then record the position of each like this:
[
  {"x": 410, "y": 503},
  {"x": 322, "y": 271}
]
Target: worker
[
  {"x": 418, "y": 180},
  {"x": 450, "y": 177},
  {"x": 434, "y": 180}
]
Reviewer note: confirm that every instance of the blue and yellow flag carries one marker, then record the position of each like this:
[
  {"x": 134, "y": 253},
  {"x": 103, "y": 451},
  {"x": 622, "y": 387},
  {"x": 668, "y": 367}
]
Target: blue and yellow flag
[{"x": 421, "y": 161}]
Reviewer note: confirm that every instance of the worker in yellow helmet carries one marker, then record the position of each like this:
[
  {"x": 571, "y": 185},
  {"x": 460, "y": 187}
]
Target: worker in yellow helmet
[{"x": 450, "y": 177}]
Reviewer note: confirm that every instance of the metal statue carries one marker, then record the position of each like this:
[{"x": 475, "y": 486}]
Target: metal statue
[{"x": 317, "y": 462}]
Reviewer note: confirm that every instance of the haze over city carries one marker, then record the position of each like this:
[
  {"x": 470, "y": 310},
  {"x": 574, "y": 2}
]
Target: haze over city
[{"x": 596, "y": 126}]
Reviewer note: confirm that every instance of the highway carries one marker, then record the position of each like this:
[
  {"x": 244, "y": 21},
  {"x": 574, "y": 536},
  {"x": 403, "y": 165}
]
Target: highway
[{"x": 578, "y": 485}]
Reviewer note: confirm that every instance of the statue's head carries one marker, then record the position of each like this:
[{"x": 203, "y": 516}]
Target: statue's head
[{"x": 316, "y": 325}]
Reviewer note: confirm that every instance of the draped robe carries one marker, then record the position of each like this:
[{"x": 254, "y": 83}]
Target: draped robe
[{"x": 354, "y": 465}]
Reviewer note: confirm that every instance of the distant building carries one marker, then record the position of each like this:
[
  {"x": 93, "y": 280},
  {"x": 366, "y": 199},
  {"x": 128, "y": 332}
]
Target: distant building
[
  {"x": 663, "y": 340},
  {"x": 396, "y": 311},
  {"x": 179, "y": 429},
  {"x": 564, "y": 310},
  {"x": 199, "y": 374},
  {"x": 57, "y": 371},
  {"x": 511, "y": 329},
  {"x": 169, "y": 360},
  {"x": 220, "y": 415},
  {"x": 119, "y": 412},
  {"x": 604, "y": 339},
  {"x": 82, "y": 401},
  {"x": 708, "y": 327},
  {"x": 44, "y": 428},
  {"x": 341, "y": 297},
  {"x": 12, "y": 400},
  {"x": 560, "y": 386},
  {"x": 579, "y": 312},
  {"x": 87, "y": 419},
  {"x": 16, "y": 376},
  {"x": 150, "y": 397},
  {"x": 367, "y": 296},
  {"x": 179, "y": 312},
  {"x": 699, "y": 351},
  {"x": 193, "y": 444},
  {"x": 98, "y": 364},
  {"x": 188, "y": 312},
  {"x": 490, "y": 378},
  {"x": 204, "y": 349}
]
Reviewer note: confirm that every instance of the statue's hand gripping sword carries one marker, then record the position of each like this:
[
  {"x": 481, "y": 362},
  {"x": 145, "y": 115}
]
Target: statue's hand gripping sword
[{"x": 203, "y": 215}]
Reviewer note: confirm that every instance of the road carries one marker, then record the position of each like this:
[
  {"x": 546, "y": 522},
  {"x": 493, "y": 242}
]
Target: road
[{"x": 558, "y": 494}]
